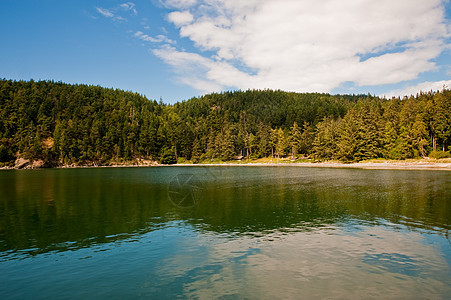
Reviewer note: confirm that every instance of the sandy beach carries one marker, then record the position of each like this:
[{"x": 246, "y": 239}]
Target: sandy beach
[{"x": 401, "y": 165}]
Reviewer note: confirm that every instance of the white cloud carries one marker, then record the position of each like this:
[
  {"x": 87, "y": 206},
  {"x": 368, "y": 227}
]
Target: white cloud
[
  {"x": 105, "y": 12},
  {"x": 307, "y": 45},
  {"x": 190, "y": 67},
  {"x": 158, "y": 39},
  {"x": 108, "y": 13},
  {"x": 129, "y": 6},
  {"x": 180, "y": 18},
  {"x": 426, "y": 86},
  {"x": 112, "y": 13},
  {"x": 178, "y": 4}
]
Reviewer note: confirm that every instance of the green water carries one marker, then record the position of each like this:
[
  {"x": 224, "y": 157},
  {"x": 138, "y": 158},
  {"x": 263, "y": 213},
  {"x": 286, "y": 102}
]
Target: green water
[{"x": 225, "y": 233}]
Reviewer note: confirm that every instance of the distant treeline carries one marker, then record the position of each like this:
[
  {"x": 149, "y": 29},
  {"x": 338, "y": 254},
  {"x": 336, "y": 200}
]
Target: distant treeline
[{"x": 79, "y": 124}]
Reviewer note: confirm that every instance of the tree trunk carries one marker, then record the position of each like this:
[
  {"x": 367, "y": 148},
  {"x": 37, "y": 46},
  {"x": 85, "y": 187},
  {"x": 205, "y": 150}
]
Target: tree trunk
[{"x": 434, "y": 143}]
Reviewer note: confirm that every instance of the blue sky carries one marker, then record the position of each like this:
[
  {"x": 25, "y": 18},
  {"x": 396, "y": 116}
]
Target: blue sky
[{"x": 177, "y": 49}]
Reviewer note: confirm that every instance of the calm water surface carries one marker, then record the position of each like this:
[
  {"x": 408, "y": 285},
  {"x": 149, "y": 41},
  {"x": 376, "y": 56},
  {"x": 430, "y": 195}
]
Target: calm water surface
[{"x": 225, "y": 233}]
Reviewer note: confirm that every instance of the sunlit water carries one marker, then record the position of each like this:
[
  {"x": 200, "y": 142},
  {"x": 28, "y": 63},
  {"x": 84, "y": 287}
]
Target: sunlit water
[{"x": 225, "y": 232}]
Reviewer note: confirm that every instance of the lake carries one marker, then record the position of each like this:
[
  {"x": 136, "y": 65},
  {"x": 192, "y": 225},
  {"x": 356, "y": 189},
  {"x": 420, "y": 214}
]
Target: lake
[{"x": 243, "y": 232}]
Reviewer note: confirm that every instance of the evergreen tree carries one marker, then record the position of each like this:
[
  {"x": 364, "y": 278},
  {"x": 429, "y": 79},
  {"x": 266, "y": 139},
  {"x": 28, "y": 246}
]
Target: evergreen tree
[
  {"x": 348, "y": 142},
  {"x": 307, "y": 137},
  {"x": 224, "y": 142},
  {"x": 273, "y": 137},
  {"x": 370, "y": 131},
  {"x": 419, "y": 132},
  {"x": 441, "y": 124},
  {"x": 211, "y": 145},
  {"x": 282, "y": 143},
  {"x": 81, "y": 124},
  {"x": 391, "y": 142},
  {"x": 325, "y": 143},
  {"x": 197, "y": 151},
  {"x": 263, "y": 140},
  {"x": 295, "y": 139}
]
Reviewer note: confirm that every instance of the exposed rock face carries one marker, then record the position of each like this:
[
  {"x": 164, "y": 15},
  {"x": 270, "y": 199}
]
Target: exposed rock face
[
  {"x": 21, "y": 163},
  {"x": 39, "y": 164}
]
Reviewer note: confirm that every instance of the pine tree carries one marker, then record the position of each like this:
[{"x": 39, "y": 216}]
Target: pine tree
[
  {"x": 325, "y": 143},
  {"x": 211, "y": 145},
  {"x": 224, "y": 142},
  {"x": 295, "y": 139},
  {"x": 197, "y": 151},
  {"x": 273, "y": 137},
  {"x": 370, "y": 132},
  {"x": 348, "y": 137},
  {"x": 307, "y": 137},
  {"x": 282, "y": 143},
  {"x": 441, "y": 125},
  {"x": 391, "y": 142},
  {"x": 419, "y": 132},
  {"x": 263, "y": 140},
  {"x": 63, "y": 123}
]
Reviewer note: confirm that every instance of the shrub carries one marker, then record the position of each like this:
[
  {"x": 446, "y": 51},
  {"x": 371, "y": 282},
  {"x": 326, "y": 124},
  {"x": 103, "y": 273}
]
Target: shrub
[
  {"x": 182, "y": 160},
  {"x": 439, "y": 154},
  {"x": 168, "y": 157}
]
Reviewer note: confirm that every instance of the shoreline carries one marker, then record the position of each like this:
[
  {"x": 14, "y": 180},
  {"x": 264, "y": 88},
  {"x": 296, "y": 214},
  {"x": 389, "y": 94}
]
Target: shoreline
[
  {"x": 382, "y": 165},
  {"x": 370, "y": 166}
]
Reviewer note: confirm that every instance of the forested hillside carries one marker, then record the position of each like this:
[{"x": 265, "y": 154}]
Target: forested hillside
[{"x": 63, "y": 124}]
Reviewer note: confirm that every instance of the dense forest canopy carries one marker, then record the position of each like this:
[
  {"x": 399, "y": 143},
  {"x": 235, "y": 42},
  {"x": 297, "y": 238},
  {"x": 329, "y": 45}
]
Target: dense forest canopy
[{"x": 64, "y": 124}]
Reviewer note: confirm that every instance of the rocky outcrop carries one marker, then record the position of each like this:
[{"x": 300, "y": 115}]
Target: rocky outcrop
[
  {"x": 37, "y": 164},
  {"x": 22, "y": 163}
]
